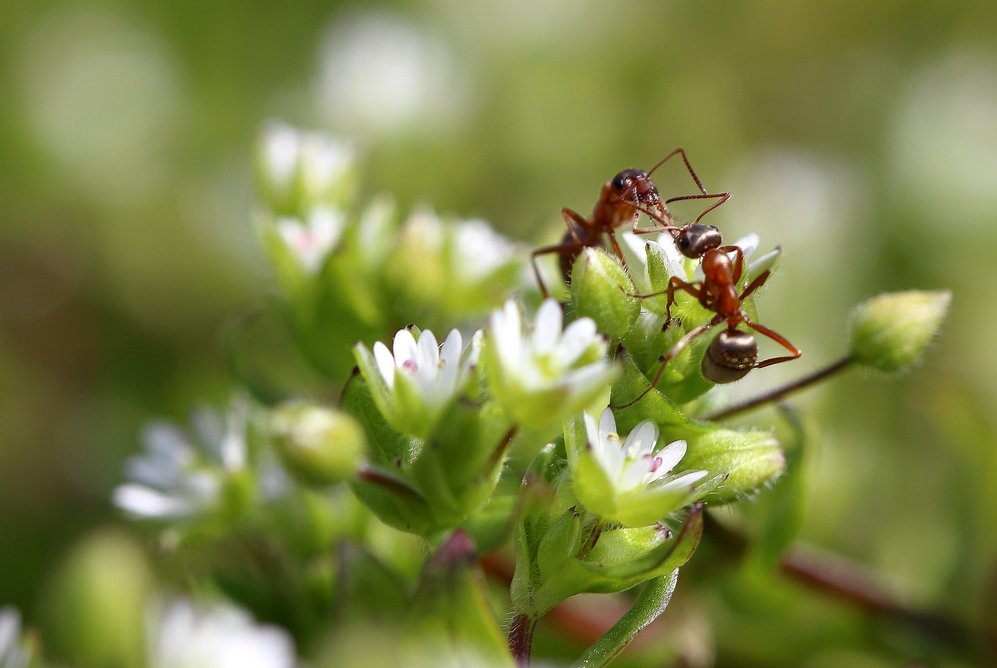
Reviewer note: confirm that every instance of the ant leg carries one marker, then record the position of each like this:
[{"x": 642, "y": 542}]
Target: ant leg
[
  {"x": 738, "y": 260},
  {"x": 778, "y": 338},
  {"x": 679, "y": 346},
  {"x": 692, "y": 172},
  {"x": 616, "y": 247},
  {"x": 574, "y": 221},
  {"x": 560, "y": 249},
  {"x": 755, "y": 284},
  {"x": 720, "y": 197}
]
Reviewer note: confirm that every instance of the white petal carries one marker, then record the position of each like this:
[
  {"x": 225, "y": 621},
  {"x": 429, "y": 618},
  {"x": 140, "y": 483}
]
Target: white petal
[
  {"x": 641, "y": 440},
  {"x": 450, "y": 367},
  {"x": 634, "y": 474},
  {"x": 671, "y": 455},
  {"x": 385, "y": 364},
  {"x": 747, "y": 243},
  {"x": 507, "y": 336},
  {"x": 607, "y": 423},
  {"x": 547, "y": 327},
  {"x": 581, "y": 381},
  {"x": 578, "y": 336},
  {"x": 686, "y": 480},
  {"x": 144, "y": 502},
  {"x": 429, "y": 352},
  {"x": 592, "y": 429}
]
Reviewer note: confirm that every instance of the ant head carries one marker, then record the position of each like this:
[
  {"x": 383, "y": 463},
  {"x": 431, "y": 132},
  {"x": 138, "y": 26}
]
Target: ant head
[
  {"x": 730, "y": 357},
  {"x": 635, "y": 185},
  {"x": 696, "y": 239}
]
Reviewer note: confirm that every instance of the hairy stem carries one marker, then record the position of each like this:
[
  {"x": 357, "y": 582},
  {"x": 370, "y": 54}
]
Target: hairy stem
[
  {"x": 779, "y": 393},
  {"x": 521, "y": 638}
]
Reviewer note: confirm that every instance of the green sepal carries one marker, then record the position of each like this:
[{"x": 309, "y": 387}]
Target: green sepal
[
  {"x": 621, "y": 559},
  {"x": 385, "y": 446},
  {"x": 394, "y": 500},
  {"x": 654, "y": 405}
]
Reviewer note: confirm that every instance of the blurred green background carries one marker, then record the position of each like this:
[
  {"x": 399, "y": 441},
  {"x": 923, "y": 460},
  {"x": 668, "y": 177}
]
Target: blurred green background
[{"x": 861, "y": 137}]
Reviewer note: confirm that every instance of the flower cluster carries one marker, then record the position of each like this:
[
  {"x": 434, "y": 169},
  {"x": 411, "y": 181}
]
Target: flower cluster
[{"x": 579, "y": 432}]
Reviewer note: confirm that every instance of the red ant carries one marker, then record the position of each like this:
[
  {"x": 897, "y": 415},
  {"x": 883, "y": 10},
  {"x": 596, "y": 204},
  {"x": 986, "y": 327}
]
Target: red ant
[
  {"x": 733, "y": 353},
  {"x": 622, "y": 199}
]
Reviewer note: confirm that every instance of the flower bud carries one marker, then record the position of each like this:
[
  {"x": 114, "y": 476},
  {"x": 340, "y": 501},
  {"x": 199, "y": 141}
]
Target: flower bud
[
  {"x": 95, "y": 610},
  {"x": 746, "y": 460},
  {"x": 890, "y": 332},
  {"x": 602, "y": 290},
  {"x": 320, "y": 445}
]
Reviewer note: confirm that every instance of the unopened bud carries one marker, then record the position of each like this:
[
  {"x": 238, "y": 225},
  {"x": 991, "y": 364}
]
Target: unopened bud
[
  {"x": 320, "y": 445},
  {"x": 602, "y": 290},
  {"x": 891, "y": 332}
]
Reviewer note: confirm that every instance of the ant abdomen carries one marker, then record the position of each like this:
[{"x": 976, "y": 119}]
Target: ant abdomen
[{"x": 731, "y": 355}]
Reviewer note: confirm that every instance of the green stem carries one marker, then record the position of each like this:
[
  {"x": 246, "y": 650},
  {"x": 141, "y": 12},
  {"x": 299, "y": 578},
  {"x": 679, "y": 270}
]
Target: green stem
[
  {"x": 651, "y": 602},
  {"x": 781, "y": 392}
]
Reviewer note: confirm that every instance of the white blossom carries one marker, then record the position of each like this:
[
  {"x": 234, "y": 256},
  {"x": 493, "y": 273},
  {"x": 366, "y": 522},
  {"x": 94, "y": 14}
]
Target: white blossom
[
  {"x": 414, "y": 381},
  {"x": 182, "y": 635},
  {"x": 542, "y": 373},
  {"x": 312, "y": 239},
  {"x": 634, "y": 464},
  {"x": 14, "y": 651}
]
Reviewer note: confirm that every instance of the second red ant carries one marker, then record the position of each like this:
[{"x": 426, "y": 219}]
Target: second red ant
[
  {"x": 625, "y": 196},
  {"x": 733, "y": 353}
]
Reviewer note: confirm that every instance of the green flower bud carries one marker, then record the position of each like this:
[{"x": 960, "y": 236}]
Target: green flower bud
[
  {"x": 741, "y": 461},
  {"x": 95, "y": 611},
  {"x": 890, "y": 332},
  {"x": 320, "y": 445},
  {"x": 602, "y": 290}
]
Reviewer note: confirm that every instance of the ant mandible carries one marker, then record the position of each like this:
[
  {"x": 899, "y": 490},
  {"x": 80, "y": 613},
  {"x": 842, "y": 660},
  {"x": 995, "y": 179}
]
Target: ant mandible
[
  {"x": 733, "y": 353},
  {"x": 625, "y": 196}
]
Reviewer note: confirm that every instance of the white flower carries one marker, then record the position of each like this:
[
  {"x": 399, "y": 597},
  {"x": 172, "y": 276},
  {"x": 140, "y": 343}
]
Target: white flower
[
  {"x": 543, "y": 374},
  {"x": 416, "y": 380},
  {"x": 178, "y": 476},
  {"x": 479, "y": 250},
  {"x": 634, "y": 464},
  {"x": 221, "y": 636},
  {"x": 299, "y": 169},
  {"x": 626, "y": 480},
  {"x": 14, "y": 652},
  {"x": 312, "y": 239}
]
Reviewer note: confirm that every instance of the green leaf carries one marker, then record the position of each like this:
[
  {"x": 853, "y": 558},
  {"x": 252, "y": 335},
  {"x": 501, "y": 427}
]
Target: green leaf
[{"x": 450, "y": 620}]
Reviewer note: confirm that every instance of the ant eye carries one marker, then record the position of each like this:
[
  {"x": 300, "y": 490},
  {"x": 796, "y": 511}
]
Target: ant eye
[{"x": 619, "y": 182}]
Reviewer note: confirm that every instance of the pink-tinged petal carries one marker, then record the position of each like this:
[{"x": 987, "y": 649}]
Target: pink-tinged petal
[
  {"x": 385, "y": 364},
  {"x": 671, "y": 455},
  {"x": 547, "y": 327},
  {"x": 406, "y": 351},
  {"x": 450, "y": 366}
]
